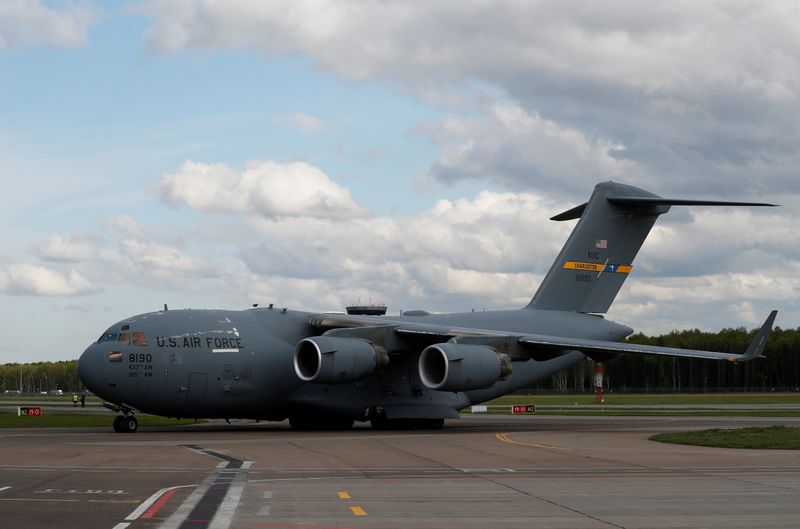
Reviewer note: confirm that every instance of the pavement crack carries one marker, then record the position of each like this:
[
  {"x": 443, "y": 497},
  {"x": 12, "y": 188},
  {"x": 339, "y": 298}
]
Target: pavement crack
[{"x": 554, "y": 503}]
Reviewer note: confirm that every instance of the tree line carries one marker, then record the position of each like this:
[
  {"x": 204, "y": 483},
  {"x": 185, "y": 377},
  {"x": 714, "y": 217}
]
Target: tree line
[
  {"x": 40, "y": 376},
  {"x": 779, "y": 371}
]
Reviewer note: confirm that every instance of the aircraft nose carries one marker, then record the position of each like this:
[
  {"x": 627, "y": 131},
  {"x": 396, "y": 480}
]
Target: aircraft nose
[{"x": 90, "y": 368}]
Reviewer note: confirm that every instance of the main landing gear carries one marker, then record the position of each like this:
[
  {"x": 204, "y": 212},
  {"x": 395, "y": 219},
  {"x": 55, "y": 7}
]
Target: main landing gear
[{"x": 126, "y": 422}]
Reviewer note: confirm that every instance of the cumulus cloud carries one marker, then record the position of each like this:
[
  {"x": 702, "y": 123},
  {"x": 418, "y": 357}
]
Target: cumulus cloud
[
  {"x": 302, "y": 122},
  {"x": 154, "y": 263},
  {"x": 517, "y": 149},
  {"x": 704, "y": 94},
  {"x": 32, "y": 280},
  {"x": 490, "y": 249},
  {"x": 78, "y": 247},
  {"x": 127, "y": 225},
  {"x": 30, "y": 22},
  {"x": 263, "y": 188}
]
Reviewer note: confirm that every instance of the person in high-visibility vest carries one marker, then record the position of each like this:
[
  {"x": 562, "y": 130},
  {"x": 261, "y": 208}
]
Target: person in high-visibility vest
[{"x": 74, "y": 400}]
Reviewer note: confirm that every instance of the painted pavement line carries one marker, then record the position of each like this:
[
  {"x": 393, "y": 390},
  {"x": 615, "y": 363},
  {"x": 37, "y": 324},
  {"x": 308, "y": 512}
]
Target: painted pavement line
[
  {"x": 183, "y": 511},
  {"x": 358, "y": 511},
  {"x": 146, "y": 504},
  {"x": 4, "y": 488},
  {"x": 121, "y": 525},
  {"x": 506, "y": 439},
  {"x": 227, "y": 509}
]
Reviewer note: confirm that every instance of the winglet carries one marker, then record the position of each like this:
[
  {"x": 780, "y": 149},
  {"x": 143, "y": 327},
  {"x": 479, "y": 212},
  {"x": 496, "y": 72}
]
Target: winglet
[{"x": 756, "y": 347}]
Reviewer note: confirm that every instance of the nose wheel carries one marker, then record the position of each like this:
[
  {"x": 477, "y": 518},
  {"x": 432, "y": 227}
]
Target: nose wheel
[{"x": 125, "y": 424}]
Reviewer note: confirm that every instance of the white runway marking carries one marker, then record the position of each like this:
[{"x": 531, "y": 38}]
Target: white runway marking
[
  {"x": 146, "y": 504},
  {"x": 4, "y": 488}
]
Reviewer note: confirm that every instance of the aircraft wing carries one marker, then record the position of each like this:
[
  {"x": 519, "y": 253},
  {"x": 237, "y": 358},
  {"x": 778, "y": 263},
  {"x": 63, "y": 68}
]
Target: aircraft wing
[
  {"x": 538, "y": 346},
  {"x": 754, "y": 350}
]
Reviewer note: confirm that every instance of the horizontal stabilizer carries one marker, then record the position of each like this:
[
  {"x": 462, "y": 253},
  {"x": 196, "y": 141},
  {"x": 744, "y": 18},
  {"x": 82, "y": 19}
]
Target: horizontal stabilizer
[
  {"x": 577, "y": 211},
  {"x": 574, "y": 213},
  {"x": 658, "y": 201}
]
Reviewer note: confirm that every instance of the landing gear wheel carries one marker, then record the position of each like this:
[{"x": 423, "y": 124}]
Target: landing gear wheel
[
  {"x": 379, "y": 420},
  {"x": 118, "y": 420},
  {"x": 130, "y": 424}
]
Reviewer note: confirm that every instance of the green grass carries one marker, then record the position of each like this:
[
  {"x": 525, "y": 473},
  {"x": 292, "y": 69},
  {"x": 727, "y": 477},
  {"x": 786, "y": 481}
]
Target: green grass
[
  {"x": 79, "y": 420},
  {"x": 65, "y": 400},
  {"x": 773, "y": 437}
]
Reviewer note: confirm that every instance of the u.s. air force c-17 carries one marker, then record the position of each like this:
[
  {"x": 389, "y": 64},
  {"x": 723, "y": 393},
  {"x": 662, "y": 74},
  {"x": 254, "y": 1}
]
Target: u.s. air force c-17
[{"x": 324, "y": 370}]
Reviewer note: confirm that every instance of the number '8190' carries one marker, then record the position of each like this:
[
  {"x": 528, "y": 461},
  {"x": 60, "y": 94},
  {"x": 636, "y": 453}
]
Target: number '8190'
[{"x": 140, "y": 358}]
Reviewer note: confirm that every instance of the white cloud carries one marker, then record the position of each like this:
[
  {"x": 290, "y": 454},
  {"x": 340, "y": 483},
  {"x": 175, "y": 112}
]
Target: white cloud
[
  {"x": 30, "y": 22},
  {"x": 516, "y": 149},
  {"x": 450, "y": 257},
  {"x": 264, "y": 188},
  {"x": 154, "y": 265},
  {"x": 32, "y": 280},
  {"x": 705, "y": 94},
  {"x": 302, "y": 122},
  {"x": 126, "y": 225},
  {"x": 78, "y": 247}
]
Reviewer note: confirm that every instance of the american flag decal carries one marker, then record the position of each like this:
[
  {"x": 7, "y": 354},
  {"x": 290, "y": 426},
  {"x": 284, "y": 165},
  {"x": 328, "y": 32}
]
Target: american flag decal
[{"x": 601, "y": 243}]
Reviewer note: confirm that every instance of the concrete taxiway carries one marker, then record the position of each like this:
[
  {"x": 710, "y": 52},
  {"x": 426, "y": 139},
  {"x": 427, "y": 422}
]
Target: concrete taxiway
[{"x": 479, "y": 472}]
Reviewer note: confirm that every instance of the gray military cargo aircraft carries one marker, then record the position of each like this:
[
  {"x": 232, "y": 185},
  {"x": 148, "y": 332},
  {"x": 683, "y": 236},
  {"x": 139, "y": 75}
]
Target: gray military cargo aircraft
[{"x": 324, "y": 371}]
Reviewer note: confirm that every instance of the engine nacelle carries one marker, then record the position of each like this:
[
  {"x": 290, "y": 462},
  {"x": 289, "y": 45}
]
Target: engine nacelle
[
  {"x": 330, "y": 360},
  {"x": 462, "y": 367}
]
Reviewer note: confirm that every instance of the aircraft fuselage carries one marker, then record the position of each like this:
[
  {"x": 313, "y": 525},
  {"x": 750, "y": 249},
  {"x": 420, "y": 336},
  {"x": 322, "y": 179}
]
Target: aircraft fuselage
[{"x": 238, "y": 364}]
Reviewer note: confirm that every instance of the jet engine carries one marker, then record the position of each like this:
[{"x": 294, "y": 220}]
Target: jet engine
[
  {"x": 330, "y": 360},
  {"x": 462, "y": 367}
]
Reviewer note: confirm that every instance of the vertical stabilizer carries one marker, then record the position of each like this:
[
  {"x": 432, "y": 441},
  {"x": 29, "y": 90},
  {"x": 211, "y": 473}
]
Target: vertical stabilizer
[{"x": 598, "y": 255}]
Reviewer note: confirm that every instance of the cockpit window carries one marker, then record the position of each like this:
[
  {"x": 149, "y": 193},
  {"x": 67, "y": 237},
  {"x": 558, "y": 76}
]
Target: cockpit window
[
  {"x": 124, "y": 337},
  {"x": 108, "y": 337},
  {"x": 115, "y": 356},
  {"x": 139, "y": 339}
]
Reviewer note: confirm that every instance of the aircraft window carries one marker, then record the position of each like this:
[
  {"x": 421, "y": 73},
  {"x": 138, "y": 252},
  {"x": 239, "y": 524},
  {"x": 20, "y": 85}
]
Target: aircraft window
[
  {"x": 115, "y": 356},
  {"x": 139, "y": 339},
  {"x": 124, "y": 337},
  {"x": 108, "y": 337}
]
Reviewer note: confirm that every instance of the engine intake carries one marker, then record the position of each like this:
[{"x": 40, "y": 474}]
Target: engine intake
[
  {"x": 331, "y": 360},
  {"x": 462, "y": 367}
]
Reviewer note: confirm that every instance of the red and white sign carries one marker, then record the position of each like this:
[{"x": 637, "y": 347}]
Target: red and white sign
[
  {"x": 29, "y": 411},
  {"x": 521, "y": 409}
]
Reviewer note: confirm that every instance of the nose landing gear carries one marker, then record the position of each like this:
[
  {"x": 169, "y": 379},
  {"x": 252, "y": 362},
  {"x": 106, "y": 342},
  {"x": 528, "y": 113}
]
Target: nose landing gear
[{"x": 125, "y": 423}]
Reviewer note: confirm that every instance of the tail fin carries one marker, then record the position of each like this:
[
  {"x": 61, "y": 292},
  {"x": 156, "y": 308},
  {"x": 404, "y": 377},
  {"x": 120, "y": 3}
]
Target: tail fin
[{"x": 598, "y": 255}]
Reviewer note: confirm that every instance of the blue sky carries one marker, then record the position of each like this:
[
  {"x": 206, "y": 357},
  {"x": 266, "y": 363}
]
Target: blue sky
[{"x": 218, "y": 154}]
